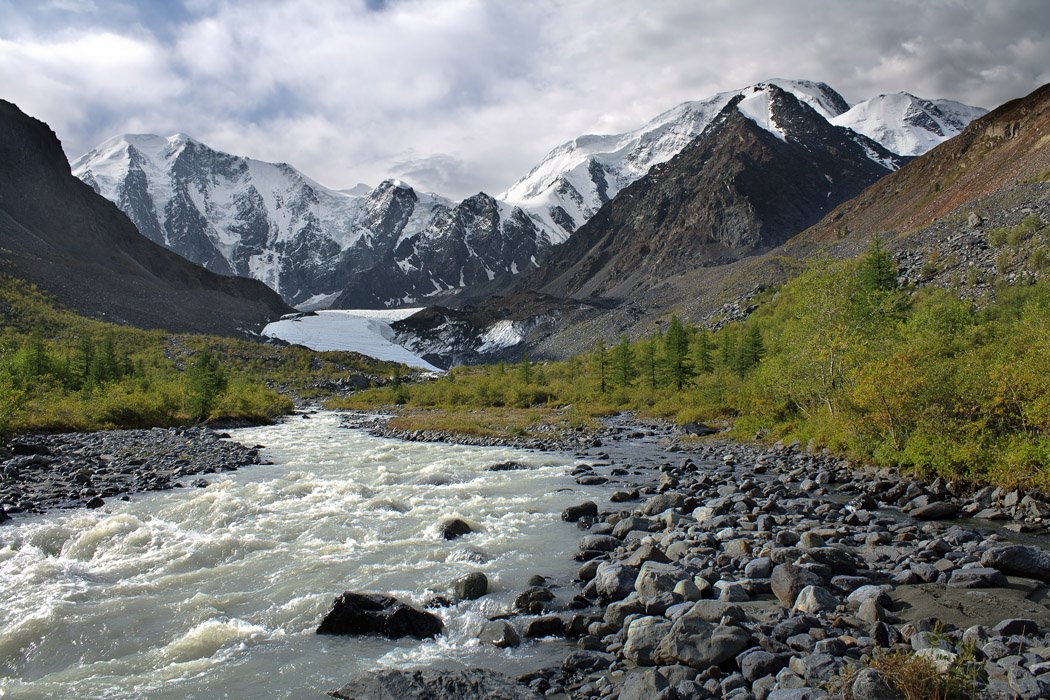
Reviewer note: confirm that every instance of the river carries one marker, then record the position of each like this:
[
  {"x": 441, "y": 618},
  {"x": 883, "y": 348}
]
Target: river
[{"x": 216, "y": 592}]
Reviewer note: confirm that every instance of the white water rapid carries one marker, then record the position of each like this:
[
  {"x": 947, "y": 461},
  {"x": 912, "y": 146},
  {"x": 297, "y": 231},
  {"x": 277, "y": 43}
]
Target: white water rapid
[{"x": 216, "y": 592}]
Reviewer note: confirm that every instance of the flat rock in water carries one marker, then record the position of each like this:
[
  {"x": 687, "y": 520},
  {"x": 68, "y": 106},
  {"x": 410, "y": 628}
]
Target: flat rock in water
[
  {"x": 467, "y": 684},
  {"x": 935, "y": 511},
  {"x": 1019, "y": 560},
  {"x": 375, "y": 613}
]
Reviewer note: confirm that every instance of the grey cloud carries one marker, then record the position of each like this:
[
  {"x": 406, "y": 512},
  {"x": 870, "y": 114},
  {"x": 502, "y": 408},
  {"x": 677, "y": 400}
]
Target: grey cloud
[{"x": 459, "y": 96}]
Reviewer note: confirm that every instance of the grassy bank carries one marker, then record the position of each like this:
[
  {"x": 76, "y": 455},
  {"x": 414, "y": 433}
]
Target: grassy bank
[
  {"x": 838, "y": 358},
  {"x": 60, "y": 371}
]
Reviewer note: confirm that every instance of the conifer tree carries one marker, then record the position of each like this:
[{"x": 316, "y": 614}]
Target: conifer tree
[
  {"x": 703, "y": 352},
  {"x": 650, "y": 362},
  {"x": 751, "y": 350},
  {"x": 600, "y": 359},
  {"x": 623, "y": 362},
  {"x": 677, "y": 365},
  {"x": 207, "y": 380}
]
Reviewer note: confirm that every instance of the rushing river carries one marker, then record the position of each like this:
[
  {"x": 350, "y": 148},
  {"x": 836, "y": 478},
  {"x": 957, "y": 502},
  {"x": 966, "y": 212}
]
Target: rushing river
[{"x": 216, "y": 592}]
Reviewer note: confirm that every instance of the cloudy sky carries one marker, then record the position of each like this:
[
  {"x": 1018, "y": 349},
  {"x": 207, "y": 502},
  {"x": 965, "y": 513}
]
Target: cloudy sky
[{"x": 458, "y": 96}]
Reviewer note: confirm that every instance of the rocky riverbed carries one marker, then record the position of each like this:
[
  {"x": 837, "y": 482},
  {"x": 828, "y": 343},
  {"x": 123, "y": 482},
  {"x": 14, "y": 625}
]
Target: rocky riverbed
[
  {"x": 736, "y": 571},
  {"x": 43, "y": 472}
]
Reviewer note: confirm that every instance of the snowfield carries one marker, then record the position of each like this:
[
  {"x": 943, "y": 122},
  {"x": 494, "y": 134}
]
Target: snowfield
[{"x": 365, "y": 331}]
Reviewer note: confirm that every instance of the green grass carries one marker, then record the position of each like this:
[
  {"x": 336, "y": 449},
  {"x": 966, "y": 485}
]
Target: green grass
[
  {"x": 60, "y": 371},
  {"x": 927, "y": 382}
]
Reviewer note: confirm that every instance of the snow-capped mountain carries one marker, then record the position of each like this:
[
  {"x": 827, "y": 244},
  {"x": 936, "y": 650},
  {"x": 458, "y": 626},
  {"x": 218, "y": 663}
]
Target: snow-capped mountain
[
  {"x": 906, "y": 124},
  {"x": 268, "y": 221},
  {"x": 390, "y": 245},
  {"x": 579, "y": 177}
]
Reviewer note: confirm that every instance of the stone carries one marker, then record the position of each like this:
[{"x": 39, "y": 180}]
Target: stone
[
  {"x": 699, "y": 644},
  {"x": 788, "y": 580},
  {"x": 655, "y": 578},
  {"x": 429, "y": 684},
  {"x": 1013, "y": 626},
  {"x": 643, "y": 636},
  {"x": 938, "y": 510},
  {"x": 1019, "y": 560},
  {"x": 614, "y": 581},
  {"x": 95, "y": 502},
  {"x": 871, "y": 612},
  {"x": 599, "y": 543},
  {"x": 547, "y": 626},
  {"x": 453, "y": 528},
  {"x": 643, "y": 685},
  {"x": 760, "y": 567},
  {"x": 688, "y": 590},
  {"x": 815, "y": 599},
  {"x": 811, "y": 540},
  {"x": 877, "y": 593},
  {"x": 581, "y": 663},
  {"x": 647, "y": 552},
  {"x": 942, "y": 659},
  {"x": 664, "y": 501},
  {"x": 499, "y": 633},
  {"x": 471, "y": 587},
  {"x": 758, "y": 663},
  {"x": 587, "y": 509},
  {"x": 375, "y": 613},
  {"x": 982, "y": 577},
  {"x": 533, "y": 598},
  {"x": 870, "y": 684}
]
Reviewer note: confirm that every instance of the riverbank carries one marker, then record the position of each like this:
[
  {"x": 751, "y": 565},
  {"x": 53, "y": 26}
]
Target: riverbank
[
  {"x": 742, "y": 571},
  {"x": 41, "y": 472}
]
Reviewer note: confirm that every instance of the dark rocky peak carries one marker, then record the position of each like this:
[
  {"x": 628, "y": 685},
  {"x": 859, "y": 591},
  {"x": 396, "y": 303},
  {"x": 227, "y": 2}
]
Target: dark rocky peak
[{"x": 59, "y": 233}]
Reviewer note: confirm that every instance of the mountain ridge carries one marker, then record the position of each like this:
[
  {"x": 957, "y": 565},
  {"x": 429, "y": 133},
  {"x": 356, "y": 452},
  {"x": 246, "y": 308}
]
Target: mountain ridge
[{"x": 56, "y": 232}]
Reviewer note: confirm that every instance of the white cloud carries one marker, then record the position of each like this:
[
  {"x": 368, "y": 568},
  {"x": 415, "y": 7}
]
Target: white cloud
[{"x": 463, "y": 95}]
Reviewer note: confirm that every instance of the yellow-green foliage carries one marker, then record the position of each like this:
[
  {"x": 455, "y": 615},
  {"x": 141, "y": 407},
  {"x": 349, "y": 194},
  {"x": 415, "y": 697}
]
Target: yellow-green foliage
[
  {"x": 839, "y": 358},
  {"x": 61, "y": 371}
]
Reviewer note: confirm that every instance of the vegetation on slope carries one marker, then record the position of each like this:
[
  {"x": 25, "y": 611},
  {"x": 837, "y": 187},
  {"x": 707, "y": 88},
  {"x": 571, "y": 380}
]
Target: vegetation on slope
[
  {"x": 839, "y": 357},
  {"x": 61, "y": 371}
]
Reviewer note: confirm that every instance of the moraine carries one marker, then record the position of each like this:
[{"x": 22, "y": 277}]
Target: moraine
[{"x": 212, "y": 592}]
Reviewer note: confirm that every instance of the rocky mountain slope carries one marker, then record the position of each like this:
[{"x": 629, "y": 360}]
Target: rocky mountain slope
[
  {"x": 942, "y": 214},
  {"x": 242, "y": 216},
  {"x": 391, "y": 246},
  {"x": 974, "y": 210},
  {"x": 767, "y": 166},
  {"x": 58, "y": 233},
  {"x": 575, "y": 179}
]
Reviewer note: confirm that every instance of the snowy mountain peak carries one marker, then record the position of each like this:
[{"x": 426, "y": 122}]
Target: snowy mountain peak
[
  {"x": 906, "y": 124},
  {"x": 579, "y": 177},
  {"x": 247, "y": 217}
]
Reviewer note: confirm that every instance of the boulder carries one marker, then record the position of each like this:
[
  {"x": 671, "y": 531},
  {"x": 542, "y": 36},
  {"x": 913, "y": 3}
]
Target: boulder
[
  {"x": 614, "y": 581},
  {"x": 548, "y": 626},
  {"x": 471, "y": 587},
  {"x": 376, "y": 613},
  {"x": 643, "y": 685},
  {"x": 429, "y": 684},
  {"x": 664, "y": 501},
  {"x": 699, "y": 644},
  {"x": 938, "y": 510},
  {"x": 499, "y": 633},
  {"x": 655, "y": 578},
  {"x": 643, "y": 636},
  {"x": 453, "y": 528},
  {"x": 981, "y": 577},
  {"x": 815, "y": 599},
  {"x": 788, "y": 580},
  {"x": 1019, "y": 560},
  {"x": 587, "y": 509}
]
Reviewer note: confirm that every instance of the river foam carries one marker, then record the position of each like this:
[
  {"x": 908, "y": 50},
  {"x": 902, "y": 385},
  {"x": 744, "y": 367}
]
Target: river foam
[{"x": 202, "y": 593}]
